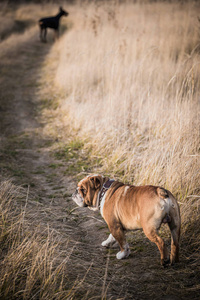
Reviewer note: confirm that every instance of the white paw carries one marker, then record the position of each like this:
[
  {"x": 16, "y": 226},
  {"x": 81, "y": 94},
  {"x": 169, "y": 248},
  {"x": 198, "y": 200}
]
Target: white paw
[
  {"x": 123, "y": 254},
  {"x": 105, "y": 243},
  {"x": 110, "y": 240}
]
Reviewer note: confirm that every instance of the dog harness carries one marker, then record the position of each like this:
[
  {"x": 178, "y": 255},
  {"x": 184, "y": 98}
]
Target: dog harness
[{"x": 104, "y": 189}]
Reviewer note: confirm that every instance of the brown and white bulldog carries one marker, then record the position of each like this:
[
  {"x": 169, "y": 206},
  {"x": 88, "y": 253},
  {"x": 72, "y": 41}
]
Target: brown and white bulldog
[{"x": 127, "y": 207}]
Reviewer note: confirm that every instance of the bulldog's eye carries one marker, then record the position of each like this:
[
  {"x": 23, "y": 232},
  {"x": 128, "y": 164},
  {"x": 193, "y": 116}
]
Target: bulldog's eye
[{"x": 84, "y": 192}]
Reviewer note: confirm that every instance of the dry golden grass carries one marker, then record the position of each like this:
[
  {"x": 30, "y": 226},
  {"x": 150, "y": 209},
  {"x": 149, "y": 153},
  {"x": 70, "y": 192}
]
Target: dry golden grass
[
  {"x": 131, "y": 77},
  {"x": 129, "y": 80},
  {"x": 32, "y": 265}
]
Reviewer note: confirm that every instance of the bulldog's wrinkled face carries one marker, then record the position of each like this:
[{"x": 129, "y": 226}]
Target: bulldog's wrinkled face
[{"x": 87, "y": 191}]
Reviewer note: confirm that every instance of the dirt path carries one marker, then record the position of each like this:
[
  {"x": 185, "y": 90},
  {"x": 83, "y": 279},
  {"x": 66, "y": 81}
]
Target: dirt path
[{"x": 25, "y": 157}]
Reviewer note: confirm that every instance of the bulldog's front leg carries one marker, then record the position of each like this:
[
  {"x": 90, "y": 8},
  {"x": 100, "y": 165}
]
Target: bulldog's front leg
[
  {"x": 125, "y": 253},
  {"x": 121, "y": 254},
  {"x": 110, "y": 240},
  {"x": 119, "y": 235}
]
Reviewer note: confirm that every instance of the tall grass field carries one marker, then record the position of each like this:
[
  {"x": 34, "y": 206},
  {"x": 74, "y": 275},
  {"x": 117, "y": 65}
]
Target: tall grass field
[
  {"x": 129, "y": 81},
  {"x": 130, "y": 73}
]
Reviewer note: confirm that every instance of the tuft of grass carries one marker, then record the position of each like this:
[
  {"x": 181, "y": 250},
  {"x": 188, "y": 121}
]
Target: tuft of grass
[
  {"x": 32, "y": 265},
  {"x": 78, "y": 159},
  {"x": 70, "y": 150}
]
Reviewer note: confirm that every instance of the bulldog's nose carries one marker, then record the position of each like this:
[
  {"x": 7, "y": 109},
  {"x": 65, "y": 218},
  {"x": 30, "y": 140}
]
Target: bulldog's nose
[{"x": 75, "y": 193}]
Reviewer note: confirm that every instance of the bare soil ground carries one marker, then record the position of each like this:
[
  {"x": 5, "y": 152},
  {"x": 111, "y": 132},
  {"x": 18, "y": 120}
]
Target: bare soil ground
[{"x": 25, "y": 157}]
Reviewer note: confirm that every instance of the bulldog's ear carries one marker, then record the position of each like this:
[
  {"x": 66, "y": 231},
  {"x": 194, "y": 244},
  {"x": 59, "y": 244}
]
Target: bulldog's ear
[{"x": 95, "y": 182}]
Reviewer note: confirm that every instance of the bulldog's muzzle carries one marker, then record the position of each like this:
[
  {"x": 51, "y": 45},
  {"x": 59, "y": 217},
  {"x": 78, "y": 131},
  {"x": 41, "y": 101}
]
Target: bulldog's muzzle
[{"x": 76, "y": 197}]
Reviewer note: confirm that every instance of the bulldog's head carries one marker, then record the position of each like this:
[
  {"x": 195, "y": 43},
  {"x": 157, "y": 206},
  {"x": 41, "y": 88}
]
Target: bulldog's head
[{"x": 87, "y": 191}]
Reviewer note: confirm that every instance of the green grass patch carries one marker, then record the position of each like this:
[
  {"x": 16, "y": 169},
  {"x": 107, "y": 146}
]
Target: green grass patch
[
  {"x": 47, "y": 103},
  {"x": 75, "y": 157},
  {"x": 55, "y": 166},
  {"x": 69, "y": 151}
]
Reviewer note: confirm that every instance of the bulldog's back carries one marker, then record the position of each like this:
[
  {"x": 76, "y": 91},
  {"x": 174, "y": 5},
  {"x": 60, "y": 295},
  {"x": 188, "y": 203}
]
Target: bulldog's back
[{"x": 135, "y": 205}]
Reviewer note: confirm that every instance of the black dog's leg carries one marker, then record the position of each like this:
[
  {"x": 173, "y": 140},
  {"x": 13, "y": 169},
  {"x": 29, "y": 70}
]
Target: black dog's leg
[
  {"x": 45, "y": 34},
  {"x": 56, "y": 34},
  {"x": 41, "y": 30}
]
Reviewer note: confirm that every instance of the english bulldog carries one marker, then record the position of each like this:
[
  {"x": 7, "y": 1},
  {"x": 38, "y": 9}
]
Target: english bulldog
[{"x": 127, "y": 207}]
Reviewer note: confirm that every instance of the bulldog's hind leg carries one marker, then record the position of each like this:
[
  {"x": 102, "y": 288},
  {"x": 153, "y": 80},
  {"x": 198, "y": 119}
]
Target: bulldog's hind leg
[
  {"x": 119, "y": 235},
  {"x": 175, "y": 237},
  {"x": 153, "y": 236}
]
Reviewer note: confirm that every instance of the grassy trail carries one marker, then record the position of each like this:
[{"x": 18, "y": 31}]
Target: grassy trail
[{"x": 25, "y": 157}]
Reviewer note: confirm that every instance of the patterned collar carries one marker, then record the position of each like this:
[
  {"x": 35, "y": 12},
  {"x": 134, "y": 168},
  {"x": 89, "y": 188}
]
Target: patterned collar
[{"x": 104, "y": 189}]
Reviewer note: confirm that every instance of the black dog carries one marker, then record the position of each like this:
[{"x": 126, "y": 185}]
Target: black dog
[{"x": 51, "y": 22}]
